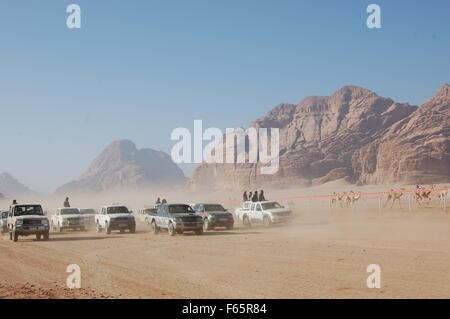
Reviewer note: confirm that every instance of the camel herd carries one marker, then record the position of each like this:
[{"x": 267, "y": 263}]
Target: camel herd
[
  {"x": 421, "y": 195},
  {"x": 345, "y": 200}
]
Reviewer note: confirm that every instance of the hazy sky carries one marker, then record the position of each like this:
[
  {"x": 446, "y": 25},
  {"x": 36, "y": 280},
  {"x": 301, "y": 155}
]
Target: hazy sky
[{"x": 139, "y": 69}]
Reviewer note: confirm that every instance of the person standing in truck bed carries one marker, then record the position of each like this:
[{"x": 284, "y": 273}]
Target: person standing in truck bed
[{"x": 66, "y": 202}]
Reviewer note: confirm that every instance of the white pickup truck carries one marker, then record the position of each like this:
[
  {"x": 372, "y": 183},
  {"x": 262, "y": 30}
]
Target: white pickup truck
[
  {"x": 266, "y": 213},
  {"x": 26, "y": 220},
  {"x": 115, "y": 217},
  {"x": 67, "y": 218}
]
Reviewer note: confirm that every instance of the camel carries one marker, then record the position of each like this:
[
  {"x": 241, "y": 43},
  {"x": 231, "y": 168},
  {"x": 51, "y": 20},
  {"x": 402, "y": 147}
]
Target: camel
[
  {"x": 337, "y": 199},
  {"x": 443, "y": 196},
  {"x": 393, "y": 197},
  {"x": 421, "y": 195},
  {"x": 352, "y": 198}
]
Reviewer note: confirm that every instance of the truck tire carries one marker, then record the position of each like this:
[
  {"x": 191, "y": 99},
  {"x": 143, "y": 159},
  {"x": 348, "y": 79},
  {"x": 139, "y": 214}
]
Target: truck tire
[
  {"x": 171, "y": 230},
  {"x": 266, "y": 221},
  {"x": 60, "y": 229},
  {"x": 108, "y": 229},
  {"x": 199, "y": 231},
  {"x": 230, "y": 226},
  {"x": 154, "y": 228},
  {"x": 15, "y": 236},
  {"x": 38, "y": 236},
  {"x": 10, "y": 235},
  {"x": 99, "y": 229},
  {"x": 133, "y": 229},
  {"x": 246, "y": 221},
  {"x": 46, "y": 236},
  {"x": 206, "y": 224}
]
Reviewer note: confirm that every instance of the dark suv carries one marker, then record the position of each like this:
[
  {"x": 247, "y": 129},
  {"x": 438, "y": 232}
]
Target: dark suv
[
  {"x": 214, "y": 215},
  {"x": 176, "y": 218}
]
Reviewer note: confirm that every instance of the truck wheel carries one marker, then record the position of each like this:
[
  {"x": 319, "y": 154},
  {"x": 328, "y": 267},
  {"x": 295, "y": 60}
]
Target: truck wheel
[
  {"x": 38, "y": 236},
  {"x": 99, "y": 229},
  {"x": 230, "y": 226},
  {"x": 206, "y": 224},
  {"x": 133, "y": 229},
  {"x": 46, "y": 236},
  {"x": 266, "y": 221},
  {"x": 10, "y": 235},
  {"x": 60, "y": 229},
  {"x": 154, "y": 228},
  {"x": 108, "y": 229},
  {"x": 246, "y": 222},
  {"x": 171, "y": 230},
  {"x": 199, "y": 231},
  {"x": 15, "y": 236}
]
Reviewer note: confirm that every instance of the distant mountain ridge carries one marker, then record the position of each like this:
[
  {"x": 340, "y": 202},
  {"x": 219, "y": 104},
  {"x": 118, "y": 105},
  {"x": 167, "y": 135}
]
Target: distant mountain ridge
[
  {"x": 9, "y": 186},
  {"x": 121, "y": 166},
  {"x": 354, "y": 135}
]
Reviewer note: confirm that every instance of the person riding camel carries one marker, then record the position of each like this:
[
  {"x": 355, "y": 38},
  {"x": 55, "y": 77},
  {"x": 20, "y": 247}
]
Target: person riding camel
[{"x": 66, "y": 202}]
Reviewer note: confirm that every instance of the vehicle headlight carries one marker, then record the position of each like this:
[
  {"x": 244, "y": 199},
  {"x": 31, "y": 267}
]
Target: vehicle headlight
[
  {"x": 45, "y": 221},
  {"x": 19, "y": 222},
  {"x": 178, "y": 220}
]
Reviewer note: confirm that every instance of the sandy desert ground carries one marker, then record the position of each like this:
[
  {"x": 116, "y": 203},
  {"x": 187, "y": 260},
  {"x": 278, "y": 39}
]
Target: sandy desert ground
[{"x": 323, "y": 254}]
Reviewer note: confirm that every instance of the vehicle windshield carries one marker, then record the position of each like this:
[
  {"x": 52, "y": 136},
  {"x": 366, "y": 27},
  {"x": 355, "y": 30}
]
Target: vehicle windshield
[
  {"x": 70, "y": 211},
  {"x": 180, "y": 209},
  {"x": 28, "y": 210},
  {"x": 118, "y": 210},
  {"x": 87, "y": 211},
  {"x": 271, "y": 205},
  {"x": 214, "y": 208}
]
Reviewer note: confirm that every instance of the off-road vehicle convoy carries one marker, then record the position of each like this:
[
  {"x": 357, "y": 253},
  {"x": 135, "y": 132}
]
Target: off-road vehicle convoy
[
  {"x": 266, "y": 213},
  {"x": 176, "y": 219},
  {"x": 214, "y": 215},
  {"x": 115, "y": 217},
  {"x": 67, "y": 218},
  {"x": 25, "y": 220}
]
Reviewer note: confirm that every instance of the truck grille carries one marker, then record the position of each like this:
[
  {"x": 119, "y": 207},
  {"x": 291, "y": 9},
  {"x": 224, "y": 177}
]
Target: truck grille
[
  {"x": 192, "y": 219},
  {"x": 31, "y": 221}
]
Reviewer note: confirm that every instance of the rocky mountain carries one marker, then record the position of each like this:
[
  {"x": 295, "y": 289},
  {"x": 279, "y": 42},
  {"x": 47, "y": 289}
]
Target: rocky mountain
[
  {"x": 122, "y": 166},
  {"x": 9, "y": 186},
  {"x": 413, "y": 150},
  {"x": 354, "y": 135}
]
